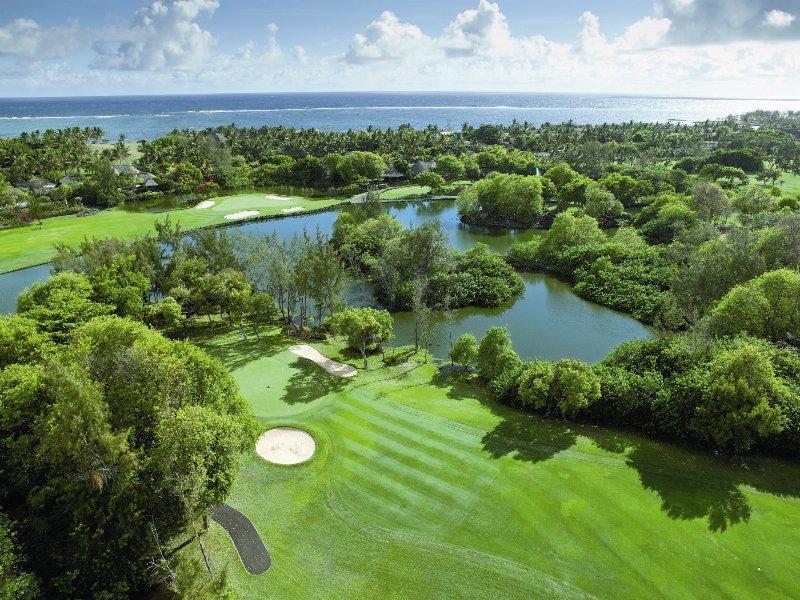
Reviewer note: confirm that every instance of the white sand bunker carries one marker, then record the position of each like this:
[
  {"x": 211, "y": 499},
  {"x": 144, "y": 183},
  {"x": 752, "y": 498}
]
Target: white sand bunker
[
  {"x": 286, "y": 445},
  {"x": 279, "y": 197},
  {"x": 331, "y": 366},
  {"x": 293, "y": 209},
  {"x": 206, "y": 204},
  {"x": 242, "y": 214}
]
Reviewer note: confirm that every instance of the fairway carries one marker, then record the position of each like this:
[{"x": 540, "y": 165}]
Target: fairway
[
  {"x": 420, "y": 487},
  {"x": 27, "y": 246},
  {"x": 790, "y": 186}
]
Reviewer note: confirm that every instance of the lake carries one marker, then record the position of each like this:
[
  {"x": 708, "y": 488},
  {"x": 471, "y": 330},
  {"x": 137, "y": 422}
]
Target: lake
[{"x": 548, "y": 321}]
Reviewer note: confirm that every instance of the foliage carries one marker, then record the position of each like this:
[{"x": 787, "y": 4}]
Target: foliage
[
  {"x": 495, "y": 354},
  {"x": 465, "y": 350},
  {"x": 503, "y": 199},
  {"x": 363, "y": 328},
  {"x": 121, "y": 434},
  {"x": 767, "y": 306},
  {"x": 739, "y": 405}
]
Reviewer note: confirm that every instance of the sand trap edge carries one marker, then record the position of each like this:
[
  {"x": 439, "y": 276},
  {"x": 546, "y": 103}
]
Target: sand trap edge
[
  {"x": 336, "y": 369},
  {"x": 302, "y": 445}
]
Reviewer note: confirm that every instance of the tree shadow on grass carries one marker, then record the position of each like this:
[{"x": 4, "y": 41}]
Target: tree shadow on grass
[
  {"x": 694, "y": 483},
  {"x": 310, "y": 383},
  {"x": 691, "y": 484},
  {"x": 529, "y": 437},
  {"x": 225, "y": 342}
]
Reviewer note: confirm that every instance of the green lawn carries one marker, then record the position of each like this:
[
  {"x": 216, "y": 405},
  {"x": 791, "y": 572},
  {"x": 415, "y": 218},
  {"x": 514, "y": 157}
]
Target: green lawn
[
  {"x": 27, "y": 246},
  {"x": 790, "y": 187},
  {"x": 406, "y": 191},
  {"x": 422, "y": 488}
]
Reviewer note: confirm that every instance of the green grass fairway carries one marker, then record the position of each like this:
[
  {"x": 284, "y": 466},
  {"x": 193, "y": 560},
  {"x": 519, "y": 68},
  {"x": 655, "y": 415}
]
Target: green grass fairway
[
  {"x": 404, "y": 192},
  {"x": 27, "y": 246},
  {"x": 790, "y": 187},
  {"x": 423, "y": 488}
]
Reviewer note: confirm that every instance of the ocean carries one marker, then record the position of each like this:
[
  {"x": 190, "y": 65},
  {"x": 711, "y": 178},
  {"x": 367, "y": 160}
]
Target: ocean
[{"x": 148, "y": 117}]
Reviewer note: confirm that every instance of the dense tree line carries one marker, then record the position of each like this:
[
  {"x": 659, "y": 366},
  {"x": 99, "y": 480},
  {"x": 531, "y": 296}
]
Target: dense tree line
[
  {"x": 730, "y": 393},
  {"x": 116, "y": 441}
]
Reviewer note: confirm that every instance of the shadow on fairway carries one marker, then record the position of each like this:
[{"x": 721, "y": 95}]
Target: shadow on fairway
[
  {"x": 310, "y": 382},
  {"x": 529, "y": 438},
  {"x": 692, "y": 483}
]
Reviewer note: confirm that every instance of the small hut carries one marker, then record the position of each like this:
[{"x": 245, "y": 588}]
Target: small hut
[{"x": 422, "y": 166}]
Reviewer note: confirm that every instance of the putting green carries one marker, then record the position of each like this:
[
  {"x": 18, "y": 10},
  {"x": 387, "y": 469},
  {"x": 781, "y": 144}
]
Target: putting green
[
  {"x": 421, "y": 487},
  {"x": 27, "y": 246}
]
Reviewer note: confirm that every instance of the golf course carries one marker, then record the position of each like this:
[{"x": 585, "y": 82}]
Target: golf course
[
  {"x": 442, "y": 493},
  {"x": 33, "y": 245}
]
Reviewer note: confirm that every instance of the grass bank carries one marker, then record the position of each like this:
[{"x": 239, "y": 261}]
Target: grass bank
[
  {"x": 27, "y": 246},
  {"x": 422, "y": 487}
]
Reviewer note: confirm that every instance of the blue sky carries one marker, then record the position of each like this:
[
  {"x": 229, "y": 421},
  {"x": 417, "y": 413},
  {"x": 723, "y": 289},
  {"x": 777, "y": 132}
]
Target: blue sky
[{"x": 675, "y": 47}]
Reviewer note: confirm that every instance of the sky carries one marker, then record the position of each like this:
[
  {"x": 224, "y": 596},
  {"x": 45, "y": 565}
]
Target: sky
[{"x": 709, "y": 48}]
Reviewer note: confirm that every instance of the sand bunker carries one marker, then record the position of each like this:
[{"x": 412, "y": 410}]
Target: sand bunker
[
  {"x": 331, "y": 366},
  {"x": 286, "y": 445},
  {"x": 242, "y": 214},
  {"x": 293, "y": 209},
  {"x": 206, "y": 204},
  {"x": 279, "y": 197}
]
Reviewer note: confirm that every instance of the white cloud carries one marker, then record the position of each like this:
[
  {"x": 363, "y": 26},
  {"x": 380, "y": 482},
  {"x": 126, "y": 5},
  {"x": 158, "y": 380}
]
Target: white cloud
[
  {"x": 647, "y": 33},
  {"x": 386, "y": 38},
  {"x": 703, "y": 22},
  {"x": 700, "y": 47},
  {"x": 778, "y": 18},
  {"x": 26, "y": 39},
  {"x": 164, "y": 35},
  {"x": 479, "y": 31}
]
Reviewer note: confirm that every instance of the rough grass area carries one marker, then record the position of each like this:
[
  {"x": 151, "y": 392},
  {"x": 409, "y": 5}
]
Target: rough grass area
[
  {"x": 406, "y": 191},
  {"x": 27, "y": 246},
  {"x": 423, "y": 488}
]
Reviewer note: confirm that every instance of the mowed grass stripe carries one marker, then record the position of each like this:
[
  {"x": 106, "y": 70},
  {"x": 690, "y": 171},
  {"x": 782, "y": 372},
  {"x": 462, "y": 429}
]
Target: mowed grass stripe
[
  {"x": 400, "y": 463},
  {"x": 419, "y": 429},
  {"x": 403, "y": 441},
  {"x": 374, "y": 487}
]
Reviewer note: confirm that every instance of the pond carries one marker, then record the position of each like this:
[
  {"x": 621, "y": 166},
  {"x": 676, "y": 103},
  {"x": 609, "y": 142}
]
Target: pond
[{"x": 548, "y": 321}]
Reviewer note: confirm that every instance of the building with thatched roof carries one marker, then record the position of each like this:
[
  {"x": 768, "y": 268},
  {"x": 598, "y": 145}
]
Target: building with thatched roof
[
  {"x": 127, "y": 170},
  {"x": 422, "y": 166},
  {"x": 150, "y": 185},
  {"x": 392, "y": 173}
]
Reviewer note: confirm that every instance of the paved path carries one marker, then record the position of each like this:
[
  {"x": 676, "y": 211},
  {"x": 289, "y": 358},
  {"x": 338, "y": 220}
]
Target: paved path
[{"x": 249, "y": 545}]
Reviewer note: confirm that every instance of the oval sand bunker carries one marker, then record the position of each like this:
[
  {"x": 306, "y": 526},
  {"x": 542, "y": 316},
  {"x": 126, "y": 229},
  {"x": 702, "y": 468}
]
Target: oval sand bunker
[{"x": 285, "y": 445}]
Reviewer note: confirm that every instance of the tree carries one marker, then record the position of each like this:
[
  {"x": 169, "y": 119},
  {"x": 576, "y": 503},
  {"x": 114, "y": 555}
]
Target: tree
[
  {"x": 450, "y": 167},
  {"x": 534, "y": 384},
  {"x": 61, "y": 304},
  {"x": 495, "y": 354},
  {"x": 432, "y": 180},
  {"x": 364, "y": 328},
  {"x": 465, "y": 350},
  {"x": 506, "y": 199},
  {"x": 574, "y": 387},
  {"x": 166, "y": 314},
  {"x": 187, "y": 177},
  {"x": 626, "y": 189},
  {"x": 740, "y": 404},
  {"x": 358, "y": 165},
  {"x": 602, "y": 205},
  {"x": 709, "y": 201},
  {"x": 22, "y": 342},
  {"x": 15, "y": 583}
]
